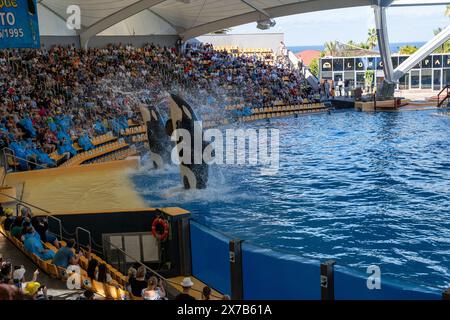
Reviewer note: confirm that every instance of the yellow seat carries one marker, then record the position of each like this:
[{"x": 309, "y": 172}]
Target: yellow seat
[
  {"x": 62, "y": 273},
  {"x": 122, "y": 294},
  {"x": 52, "y": 270},
  {"x": 86, "y": 282},
  {"x": 133, "y": 297},
  {"x": 83, "y": 262},
  {"x": 99, "y": 288},
  {"x": 111, "y": 292}
]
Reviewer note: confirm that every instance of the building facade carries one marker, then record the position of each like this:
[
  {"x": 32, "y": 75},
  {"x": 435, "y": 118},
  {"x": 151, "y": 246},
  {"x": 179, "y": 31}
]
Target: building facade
[{"x": 433, "y": 73}]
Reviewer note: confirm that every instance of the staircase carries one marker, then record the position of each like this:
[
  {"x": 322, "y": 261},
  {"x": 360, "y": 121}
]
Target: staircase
[{"x": 443, "y": 96}]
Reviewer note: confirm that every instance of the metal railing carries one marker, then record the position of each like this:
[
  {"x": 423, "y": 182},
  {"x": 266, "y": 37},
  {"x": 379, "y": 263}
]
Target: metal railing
[
  {"x": 77, "y": 238},
  {"x": 447, "y": 95},
  {"x": 7, "y": 152}
]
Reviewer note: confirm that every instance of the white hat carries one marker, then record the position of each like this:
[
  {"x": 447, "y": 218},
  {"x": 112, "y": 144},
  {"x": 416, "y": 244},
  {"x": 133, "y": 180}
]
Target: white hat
[
  {"x": 187, "y": 283},
  {"x": 19, "y": 273}
]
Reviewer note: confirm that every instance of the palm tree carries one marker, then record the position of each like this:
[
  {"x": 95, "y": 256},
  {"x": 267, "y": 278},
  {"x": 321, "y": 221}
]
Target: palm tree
[
  {"x": 372, "y": 39},
  {"x": 331, "y": 48}
]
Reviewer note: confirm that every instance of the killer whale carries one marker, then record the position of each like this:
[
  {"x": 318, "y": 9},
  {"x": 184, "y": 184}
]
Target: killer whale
[
  {"x": 182, "y": 116},
  {"x": 158, "y": 140}
]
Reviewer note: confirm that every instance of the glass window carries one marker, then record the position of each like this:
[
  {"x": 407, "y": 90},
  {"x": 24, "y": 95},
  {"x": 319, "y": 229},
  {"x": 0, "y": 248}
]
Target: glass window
[
  {"x": 415, "y": 79},
  {"x": 402, "y": 59},
  {"x": 446, "y": 77},
  {"x": 437, "y": 80},
  {"x": 371, "y": 63},
  {"x": 395, "y": 62},
  {"x": 426, "y": 79},
  {"x": 404, "y": 82},
  {"x": 349, "y": 64},
  {"x": 380, "y": 63},
  {"x": 446, "y": 61},
  {"x": 338, "y": 64},
  {"x": 427, "y": 63},
  {"x": 327, "y": 75},
  {"x": 327, "y": 65},
  {"x": 361, "y": 64},
  {"x": 437, "y": 61},
  {"x": 337, "y": 77},
  {"x": 349, "y": 79},
  {"x": 360, "y": 80}
]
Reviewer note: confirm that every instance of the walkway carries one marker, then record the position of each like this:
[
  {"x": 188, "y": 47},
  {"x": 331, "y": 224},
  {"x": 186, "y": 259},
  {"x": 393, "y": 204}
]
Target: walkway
[{"x": 56, "y": 288}]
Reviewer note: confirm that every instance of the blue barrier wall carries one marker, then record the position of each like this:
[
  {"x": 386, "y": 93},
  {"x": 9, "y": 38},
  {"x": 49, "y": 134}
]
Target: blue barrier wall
[
  {"x": 210, "y": 257},
  {"x": 269, "y": 274},
  {"x": 272, "y": 275},
  {"x": 349, "y": 285}
]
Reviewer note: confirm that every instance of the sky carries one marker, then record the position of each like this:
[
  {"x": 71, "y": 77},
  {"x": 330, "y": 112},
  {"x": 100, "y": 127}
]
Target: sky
[{"x": 405, "y": 24}]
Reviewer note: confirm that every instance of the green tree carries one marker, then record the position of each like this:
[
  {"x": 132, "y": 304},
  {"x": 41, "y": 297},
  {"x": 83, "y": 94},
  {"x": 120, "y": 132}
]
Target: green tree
[
  {"x": 408, "y": 50},
  {"x": 447, "y": 11},
  {"x": 314, "y": 67},
  {"x": 372, "y": 39}
]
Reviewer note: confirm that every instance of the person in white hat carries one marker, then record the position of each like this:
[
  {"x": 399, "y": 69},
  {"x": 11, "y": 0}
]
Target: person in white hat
[{"x": 186, "y": 284}]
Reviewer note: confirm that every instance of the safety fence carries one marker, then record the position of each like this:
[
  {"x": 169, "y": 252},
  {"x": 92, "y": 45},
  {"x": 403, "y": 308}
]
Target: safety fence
[{"x": 246, "y": 271}]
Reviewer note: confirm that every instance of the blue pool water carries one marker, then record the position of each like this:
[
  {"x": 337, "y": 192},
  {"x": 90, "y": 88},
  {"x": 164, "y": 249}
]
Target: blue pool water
[{"x": 357, "y": 187}]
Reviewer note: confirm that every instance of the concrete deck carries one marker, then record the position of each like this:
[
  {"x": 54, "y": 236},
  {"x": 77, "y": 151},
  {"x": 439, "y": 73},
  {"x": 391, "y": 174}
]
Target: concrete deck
[{"x": 96, "y": 187}]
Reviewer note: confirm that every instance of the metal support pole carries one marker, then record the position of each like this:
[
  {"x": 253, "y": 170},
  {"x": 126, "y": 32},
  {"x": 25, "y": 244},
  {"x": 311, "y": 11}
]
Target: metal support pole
[
  {"x": 388, "y": 87},
  {"x": 236, "y": 277},
  {"x": 327, "y": 280},
  {"x": 184, "y": 244}
]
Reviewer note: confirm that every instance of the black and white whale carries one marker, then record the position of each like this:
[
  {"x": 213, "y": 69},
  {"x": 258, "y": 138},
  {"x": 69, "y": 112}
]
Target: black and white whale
[
  {"x": 193, "y": 168},
  {"x": 158, "y": 139}
]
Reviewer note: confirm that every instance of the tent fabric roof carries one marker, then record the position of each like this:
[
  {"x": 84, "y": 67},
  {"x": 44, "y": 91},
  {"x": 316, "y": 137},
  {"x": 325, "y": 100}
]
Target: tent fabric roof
[{"x": 189, "y": 18}]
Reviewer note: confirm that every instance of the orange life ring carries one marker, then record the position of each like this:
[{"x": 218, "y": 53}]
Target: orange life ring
[{"x": 161, "y": 236}]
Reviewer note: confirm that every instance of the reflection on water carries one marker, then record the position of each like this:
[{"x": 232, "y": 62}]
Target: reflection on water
[{"x": 360, "y": 188}]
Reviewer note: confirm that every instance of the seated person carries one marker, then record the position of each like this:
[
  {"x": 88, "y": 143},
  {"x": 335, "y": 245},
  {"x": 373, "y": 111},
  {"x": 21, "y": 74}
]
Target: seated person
[
  {"x": 9, "y": 221},
  {"x": 186, "y": 284},
  {"x": 65, "y": 255},
  {"x": 40, "y": 224},
  {"x": 155, "y": 290},
  {"x": 138, "y": 284},
  {"x": 103, "y": 274},
  {"x": 32, "y": 243},
  {"x": 16, "y": 228}
]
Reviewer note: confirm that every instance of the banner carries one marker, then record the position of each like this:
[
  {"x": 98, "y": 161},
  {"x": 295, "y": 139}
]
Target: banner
[{"x": 19, "y": 26}]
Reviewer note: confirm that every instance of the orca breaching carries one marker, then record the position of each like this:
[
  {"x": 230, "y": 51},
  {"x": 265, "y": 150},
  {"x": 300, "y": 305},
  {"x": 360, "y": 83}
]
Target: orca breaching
[{"x": 159, "y": 131}]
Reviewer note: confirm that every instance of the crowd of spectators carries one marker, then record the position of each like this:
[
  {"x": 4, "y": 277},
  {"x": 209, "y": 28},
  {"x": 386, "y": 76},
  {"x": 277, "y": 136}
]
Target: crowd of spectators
[{"x": 50, "y": 98}]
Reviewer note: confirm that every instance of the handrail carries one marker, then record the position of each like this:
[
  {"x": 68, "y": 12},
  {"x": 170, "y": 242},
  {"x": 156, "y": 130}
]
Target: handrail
[
  {"x": 44, "y": 166},
  {"x": 446, "y": 88},
  {"x": 59, "y": 221},
  {"x": 76, "y": 236}
]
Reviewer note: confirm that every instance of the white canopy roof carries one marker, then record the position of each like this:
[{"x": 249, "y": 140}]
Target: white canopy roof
[{"x": 187, "y": 18}]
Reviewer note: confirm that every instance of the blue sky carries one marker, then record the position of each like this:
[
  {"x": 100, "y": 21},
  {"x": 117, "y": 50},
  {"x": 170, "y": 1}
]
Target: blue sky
[{"x": 406, "y": 24}]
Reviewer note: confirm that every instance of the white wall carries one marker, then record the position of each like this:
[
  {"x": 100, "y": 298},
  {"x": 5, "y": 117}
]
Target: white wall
[
  {"x": 52, "y": 25},
  {"x": 143, "y": 23}
]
